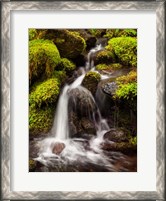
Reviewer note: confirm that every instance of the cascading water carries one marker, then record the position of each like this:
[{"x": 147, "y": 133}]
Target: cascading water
[{"x": 75, "y": 150}]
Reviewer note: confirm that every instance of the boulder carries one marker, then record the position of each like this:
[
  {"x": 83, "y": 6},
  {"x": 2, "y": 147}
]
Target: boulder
[
  {"x": 58, "y": 148},
  {"x": 88, "y": 126},
  {"x": 81, "y": 102},
  {"x": 69, "y": 43},
  {"x": 117, "y": 135},
  {"x": 91, "y": 81}
]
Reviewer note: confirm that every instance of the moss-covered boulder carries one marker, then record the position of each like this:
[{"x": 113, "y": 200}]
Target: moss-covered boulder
[
  {"x": 43, "y": 59},
  {"x": 91, "y": 81},
  {"x": 45, "y": 93},
  {"x": 40, "y": 120},
  {"x": 127, "y": 89},
  {"x": 125, "y": 48},
  {"x": 66, "y": 65},
  {"x": 108, "y": 68},
  {"x": 69, "y": 43},
  {"x": 119, "y": 139},
  {"x": 105, "y": 57}
]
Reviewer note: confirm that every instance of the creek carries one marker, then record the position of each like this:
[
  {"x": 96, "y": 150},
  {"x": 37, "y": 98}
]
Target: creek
[{"x": 60, "y": 152}]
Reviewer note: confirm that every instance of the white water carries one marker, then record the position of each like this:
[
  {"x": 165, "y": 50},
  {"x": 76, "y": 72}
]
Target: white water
[{"x": 74, "y": 149}]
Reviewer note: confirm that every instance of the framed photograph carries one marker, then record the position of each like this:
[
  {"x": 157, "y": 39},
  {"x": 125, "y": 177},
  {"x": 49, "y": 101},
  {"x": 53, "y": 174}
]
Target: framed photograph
[{"x": 83, "y": 113}]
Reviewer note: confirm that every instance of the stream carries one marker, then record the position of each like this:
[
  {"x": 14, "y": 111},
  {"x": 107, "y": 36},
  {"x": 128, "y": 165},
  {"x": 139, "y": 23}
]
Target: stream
[{"x": 62, "y": 153}]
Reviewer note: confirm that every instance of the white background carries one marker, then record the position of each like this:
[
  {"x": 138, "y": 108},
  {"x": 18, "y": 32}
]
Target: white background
[{"x": 142, "y": 180}]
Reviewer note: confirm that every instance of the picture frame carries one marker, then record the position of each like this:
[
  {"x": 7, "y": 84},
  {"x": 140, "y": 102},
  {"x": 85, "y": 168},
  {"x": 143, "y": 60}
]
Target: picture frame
[{"x": 6, "y": 121}]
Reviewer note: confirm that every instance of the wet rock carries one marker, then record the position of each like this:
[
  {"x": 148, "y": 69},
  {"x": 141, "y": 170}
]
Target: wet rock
[
  {"x": 110, "y": 88},
  {"x": 58, "y": 148},
  {"x": 88, "y": 126},
  {"x": 117, "y": 135},
  {"x": 81, "y": 102},
  {"x": 124, "y": 147},
  {"x": 91, "y": 81}
]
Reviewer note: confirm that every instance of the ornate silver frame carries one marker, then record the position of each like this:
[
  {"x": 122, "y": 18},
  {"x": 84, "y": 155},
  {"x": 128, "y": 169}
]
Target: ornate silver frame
[{"x": 158, "y": 7}]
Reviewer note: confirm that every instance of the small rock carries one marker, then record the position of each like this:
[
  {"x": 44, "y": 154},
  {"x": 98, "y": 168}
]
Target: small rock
[
  {"x": 117, "y": 135},
  {"x": 58, "y": 148}
]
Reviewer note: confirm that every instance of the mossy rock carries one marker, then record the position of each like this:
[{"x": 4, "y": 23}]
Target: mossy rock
[
  {"x": 97, "y": 32},
  {"x": 32, "y": 34},
  {"x": 69, "y": 43},
  {"x": 61, "y": 76},
  {"x": 125, "y": 48},
  {"x": 127, "y": 86},
  {"x": 43, "y": 59},
  {"x": 105, "y": 57},
  {"x": 91, "y": 81},
  {"x": 111, "y": 67},
  {"x": 40, "y": 120},
  {"x": 66, "y": 65},
  {"x": 45, "y": 93},
  {"x": 111, "y": 33}
]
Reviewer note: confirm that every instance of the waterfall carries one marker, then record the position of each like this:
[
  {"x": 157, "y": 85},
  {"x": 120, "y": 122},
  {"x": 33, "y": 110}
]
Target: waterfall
[
  {"x": 74, "y": 150},
  {"x": 60, "y": 129}
]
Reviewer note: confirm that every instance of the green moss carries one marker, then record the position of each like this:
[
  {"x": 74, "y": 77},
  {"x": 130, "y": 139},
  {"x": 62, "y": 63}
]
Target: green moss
[
  {"x": 93, "y": 75},
  {"x": 96, "y": 32},
  {"x": 127, "y": 91},
  {"x": 43, "y": 58},
  {"x": 110, "y": 67},
  {"x": 32, "y": 34},
  {"x": 32, "y": 165},
  {"x": 129, "y": 78},
  {"x": 60, "y": 76},
  {"x": 40, "y": 120},
  {"x": 125, "y": 48},
  {"x": 66, "y": 65},
  {"x": 105, "y": 57},
  {"x": 112, "y": 33},
  {"x": 45, "y": 93},
  {"x": 133, "y": 140},
  {"x": 91, "y": 81}
]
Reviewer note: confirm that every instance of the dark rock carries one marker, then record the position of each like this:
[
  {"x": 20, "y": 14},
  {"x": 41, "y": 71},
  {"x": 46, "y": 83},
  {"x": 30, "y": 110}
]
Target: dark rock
[
  {"x": 81, "y": 102},
  {"x": 88, "y": 126},
  {"x": 124, "y": 147},
  {"x": 117, "y": 135},
  {"x": 58, "y": 148}
]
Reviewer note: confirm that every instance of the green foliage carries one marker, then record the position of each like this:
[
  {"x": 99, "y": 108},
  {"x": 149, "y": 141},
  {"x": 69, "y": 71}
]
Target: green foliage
[
  {"x": 105, "y": 57},
  {"x": 110, "y": 67},
  {"x": 133, "y": 140},
  {"x": 127, "y": 91},
  {"x": 129, "y": 78},
  {"x": 96, "y": 32},
  {"x": 66, "y": 65},
  {"x": 127, "y": 86},
  {"x": 112, "y": 33},
  {"x": 45, "y": 93},
  {"x": 125, "y": 48},
  {"x": 32, "y": 34},
  {"x": 40, "y": 120},
  {"x": 43, "y": 58}
]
